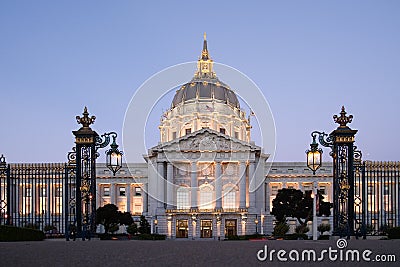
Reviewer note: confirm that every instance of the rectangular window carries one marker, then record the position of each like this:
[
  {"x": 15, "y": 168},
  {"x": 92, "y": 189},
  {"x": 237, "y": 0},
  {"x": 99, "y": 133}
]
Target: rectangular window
[
  {"x": 222, "y": 130},
  {"x": 28, "y": 192},
  {"x": 307, "y": 188},
  {"x": 371, "y": 190},
  {"x": 237, "y": 135},
  {"x": 43, "y": 192},
  {"x": 182, "y": 198},
  {"x": 188, "y": 131},
  {"x": 138, "y": 191},
  {"x": 106, "y": 191},
  {"x": 274, "y": 190},
  {"x": 58, "y": 191},
  {"x": 386, "y": 190},
  {"x": 174, "y": 135},
  {"x": 229, "y": 200},
  {"x": 122, "y": 191},
  {"x": 322, "y": 190}
]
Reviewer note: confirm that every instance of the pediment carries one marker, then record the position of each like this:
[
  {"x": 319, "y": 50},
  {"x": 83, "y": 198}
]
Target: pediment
[{"x": 206, "y": 140}]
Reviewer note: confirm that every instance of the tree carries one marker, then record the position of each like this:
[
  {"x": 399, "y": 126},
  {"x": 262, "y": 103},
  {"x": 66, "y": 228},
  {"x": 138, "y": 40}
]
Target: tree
[
  {"x": 323, "y": 227},
  {"x": 144, "y": 227},
  {"x": 132, "y": 229},
  {"x": 108, "y": 216},
  {"x": 125, "y": 218},
  {"x": 294, "y": 203}
]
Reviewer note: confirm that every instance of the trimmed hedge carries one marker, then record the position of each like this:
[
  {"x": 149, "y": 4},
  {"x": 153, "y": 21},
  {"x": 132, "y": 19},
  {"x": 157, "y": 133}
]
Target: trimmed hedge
[
  {"x": 394, "y": 233},
  {"x": 12, "y": 233}
]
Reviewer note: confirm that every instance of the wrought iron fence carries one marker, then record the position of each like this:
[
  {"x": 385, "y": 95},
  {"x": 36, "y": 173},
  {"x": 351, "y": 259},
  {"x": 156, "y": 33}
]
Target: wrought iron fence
[{"x": 35, "y": 196}]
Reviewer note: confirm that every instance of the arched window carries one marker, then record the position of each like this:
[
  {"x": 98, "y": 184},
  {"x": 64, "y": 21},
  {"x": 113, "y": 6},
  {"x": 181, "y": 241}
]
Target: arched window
[
  {"x": 182, "y": 198},
  {"x": 206, "y": 197},
  {"x": 229, "y": 198}
]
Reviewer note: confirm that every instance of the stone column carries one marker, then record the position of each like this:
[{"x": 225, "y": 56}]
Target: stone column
[
  {"x": 267, "y": 198},
  {"x": 170, "y": 197},
  {"x": 242, "y": 185},
  {"x": 193, "y": 184},
  {"x": 218, "y": 185},
  {"x": 98, "y": 196},
  {"x": 113, "y": 193},
  {"x": 160, "y": 185},
  {"x": 145, "y": 198},
  {"x": 252, "y": 185},
  {"x": 301, "y": 186},
  {"x": 128, "y": 197}
]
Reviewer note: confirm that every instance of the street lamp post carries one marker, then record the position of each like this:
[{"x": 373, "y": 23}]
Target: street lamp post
[
  {"x": 256, "y": 222},
  {"x": 341, "y": 142},
  {"x": 83, "y": 160},
  {"x": 155, "y": 225},
  {"x": 314, "y": 223}
]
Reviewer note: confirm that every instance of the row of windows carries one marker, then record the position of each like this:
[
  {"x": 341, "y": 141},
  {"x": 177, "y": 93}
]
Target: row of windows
[
  {"x": 121, "y": 191},
  {"x": 206, "y": 198},
  {"x": 275, "y": 189}
]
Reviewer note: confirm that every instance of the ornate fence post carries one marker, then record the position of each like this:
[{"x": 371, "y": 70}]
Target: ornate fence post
[
  {"x": 345, "y": 161},
  {"x": 5, "y": 201},
  {"x": 85, "y": 140}
]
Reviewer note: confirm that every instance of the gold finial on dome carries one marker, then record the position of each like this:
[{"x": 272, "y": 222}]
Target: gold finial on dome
[{"x": 205, "y": 63}]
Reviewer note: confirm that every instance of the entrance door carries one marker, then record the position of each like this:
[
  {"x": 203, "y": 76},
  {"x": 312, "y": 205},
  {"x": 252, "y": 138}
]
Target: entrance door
[
  {"x": 182, "y": 228},
  {"x": 206, "y": 229},
  {"x": 230, "y": 227}
]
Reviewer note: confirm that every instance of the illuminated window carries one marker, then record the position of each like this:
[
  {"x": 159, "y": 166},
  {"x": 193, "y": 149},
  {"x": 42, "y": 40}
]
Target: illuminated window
[
  {"x": 274, "y": 190},
  {"x": 122, "y": 191},
  {"x": 206, "y": 198},
  {"x": 58, "y": 191},
  {"x": 43, "y": 192},
  {"x": 28, "y": 192},
  {"x": 182, "y": 198},
  {"x": 229, "y": 198},
  {"x": 106, "y": 191},
  {"x": 322, "y": 190},
  {"x": 138, "y": 191}
]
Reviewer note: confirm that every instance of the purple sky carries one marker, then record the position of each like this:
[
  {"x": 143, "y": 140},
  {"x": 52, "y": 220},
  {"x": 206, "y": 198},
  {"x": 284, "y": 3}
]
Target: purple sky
[{"x": 308, "y": 57}]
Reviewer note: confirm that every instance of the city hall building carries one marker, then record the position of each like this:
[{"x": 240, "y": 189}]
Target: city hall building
[{"x": 206, "y": 178}]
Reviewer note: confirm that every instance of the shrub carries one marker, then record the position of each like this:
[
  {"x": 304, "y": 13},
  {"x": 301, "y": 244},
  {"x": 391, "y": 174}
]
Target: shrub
[
  {"x": 323, "y": 227},
  {"x": 12, "y": 233},
  {"x": 301, "y": 229},
  {"x": 280, "y": 229},
  {"x": 49, "y": 228},
  {"x": 132, "y": 229},
  {"x": 394, "y": 233}
]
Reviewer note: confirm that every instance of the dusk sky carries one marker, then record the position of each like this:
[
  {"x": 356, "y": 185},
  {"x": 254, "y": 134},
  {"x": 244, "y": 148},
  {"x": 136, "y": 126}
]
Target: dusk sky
[{"x": 308, "y": 58}]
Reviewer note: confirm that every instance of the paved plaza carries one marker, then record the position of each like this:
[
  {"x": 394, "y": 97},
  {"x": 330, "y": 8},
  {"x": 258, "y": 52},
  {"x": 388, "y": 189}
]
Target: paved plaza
[{"x": 177, "y": 253}]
